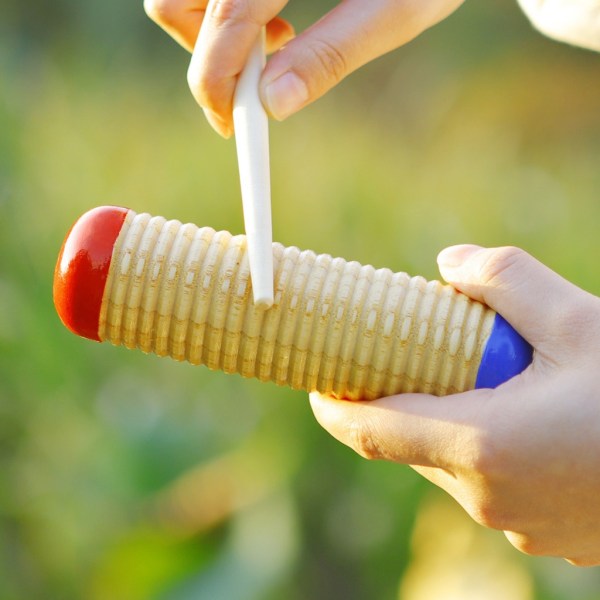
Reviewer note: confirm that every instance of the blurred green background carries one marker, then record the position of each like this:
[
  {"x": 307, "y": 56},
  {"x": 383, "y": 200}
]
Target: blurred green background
[{"x": 125, "y": 476}]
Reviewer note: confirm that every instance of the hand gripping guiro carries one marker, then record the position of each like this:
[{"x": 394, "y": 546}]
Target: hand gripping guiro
[{"x": 335, "y": 326}]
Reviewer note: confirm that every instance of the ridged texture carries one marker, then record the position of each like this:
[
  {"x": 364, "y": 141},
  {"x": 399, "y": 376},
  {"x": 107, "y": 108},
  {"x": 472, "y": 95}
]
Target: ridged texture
[{"x": 336, "y": 326}]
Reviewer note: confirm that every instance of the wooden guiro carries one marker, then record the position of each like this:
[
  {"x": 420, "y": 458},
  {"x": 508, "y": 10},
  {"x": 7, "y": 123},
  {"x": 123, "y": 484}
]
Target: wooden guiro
[{"x": 337, "y": 327}]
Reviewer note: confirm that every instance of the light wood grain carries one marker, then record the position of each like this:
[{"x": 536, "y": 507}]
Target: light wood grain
[{"x": 335, "y": 326}]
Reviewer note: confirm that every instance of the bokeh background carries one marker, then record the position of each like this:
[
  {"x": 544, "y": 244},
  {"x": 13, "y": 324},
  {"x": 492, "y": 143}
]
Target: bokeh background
[{"x": 125, "y": 476}]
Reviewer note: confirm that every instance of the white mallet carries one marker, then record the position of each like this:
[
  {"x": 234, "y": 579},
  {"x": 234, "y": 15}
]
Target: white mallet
[{"x": 252, "y": 140}]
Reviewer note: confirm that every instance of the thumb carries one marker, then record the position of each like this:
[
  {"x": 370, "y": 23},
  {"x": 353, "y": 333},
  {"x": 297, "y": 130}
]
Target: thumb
[
  {"x": 350, "y": 35},
  {"x": 539, "y": 304}
]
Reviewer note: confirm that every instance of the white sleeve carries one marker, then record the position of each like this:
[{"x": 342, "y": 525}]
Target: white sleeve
[{"x": 573, "y": 21}]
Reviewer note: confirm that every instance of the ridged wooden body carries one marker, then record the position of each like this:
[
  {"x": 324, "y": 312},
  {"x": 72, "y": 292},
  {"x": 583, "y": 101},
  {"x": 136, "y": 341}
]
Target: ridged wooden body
[{"x": 336, "y": 326}]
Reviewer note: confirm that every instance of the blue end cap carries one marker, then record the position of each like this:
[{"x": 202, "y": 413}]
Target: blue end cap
[{"x": 506, "y": 354}]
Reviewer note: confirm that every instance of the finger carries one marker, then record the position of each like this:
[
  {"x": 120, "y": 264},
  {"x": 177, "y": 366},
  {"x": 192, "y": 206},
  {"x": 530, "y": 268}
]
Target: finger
[
  {"x": 545, "y": 308},
  {"x": 228, "y": 31},
  {"x": 350, "y": 35},
  {"x": 414, "y": 429},
  {"x": 181, "y": 19}
]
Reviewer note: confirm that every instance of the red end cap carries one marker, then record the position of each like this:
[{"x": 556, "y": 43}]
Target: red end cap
[{"x": 82, "y": 269}]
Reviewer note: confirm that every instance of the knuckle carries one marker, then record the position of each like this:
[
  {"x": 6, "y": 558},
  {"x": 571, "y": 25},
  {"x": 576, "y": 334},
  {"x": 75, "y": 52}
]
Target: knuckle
[
  {"x": 197, "y": 83},
  {"x": 362, "y": 439},
  {"x": 486, "y": 513},
  {"x": 526, "y": 543},
  {"x": 488, "y": 469},
  {"x": 206, "y": 86},
  {"x": 332, "y": 61},
  {"x": 484, "y": 516},
  {"x": 163, "y": 12},
  {"x": 584, "y": 561},
  {"x": 225, "y": 13},
  {"x": 487, "y": 458},
  {"x": 500, "y": 262}
]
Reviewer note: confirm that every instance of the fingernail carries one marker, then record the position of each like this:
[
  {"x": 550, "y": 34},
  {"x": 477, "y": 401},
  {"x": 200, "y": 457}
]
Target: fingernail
[
  {"x": 285, "y": 95},
  {"x": 455, "y": 256}
]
